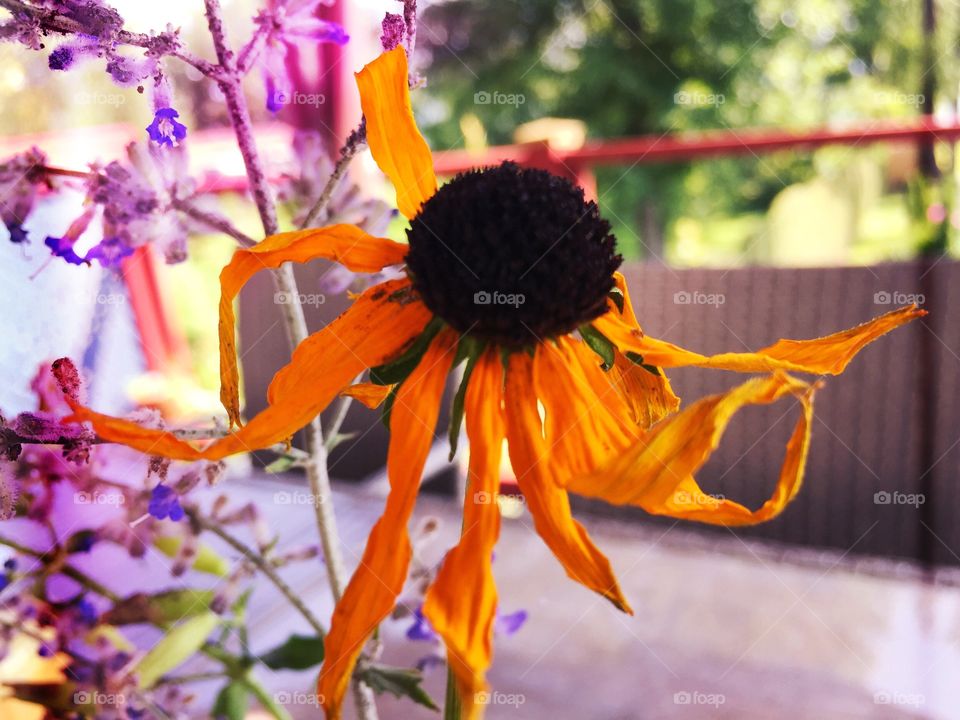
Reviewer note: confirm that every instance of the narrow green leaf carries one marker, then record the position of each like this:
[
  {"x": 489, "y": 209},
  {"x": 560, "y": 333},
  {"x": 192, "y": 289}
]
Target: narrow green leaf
[
  {"x": 617, "y": 298},
  {"x": 207, "y": 560},
  {"x": 597, "y": 342},
  {"x": 160, "y": 608},
  {"x": 397, "y": 370},
  {"x": 282, "y": 464},
  {"x": 638, "y": 360},
  {"x": 470, "y": 349},
  {"x": 231, "y": 703},
  {"x": 387, "y": 407},
  {"x": 178, "y": 646},
  {"x": 402, "y": 682},
  {"x": 298, "y": 652},
  {"x": 268, "y": 701}
]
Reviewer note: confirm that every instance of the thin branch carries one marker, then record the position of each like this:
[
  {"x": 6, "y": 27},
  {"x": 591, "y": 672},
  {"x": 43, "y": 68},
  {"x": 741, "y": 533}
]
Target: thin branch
[
  {"x": 351, "y": 148},
  {"x": 162, "y": 44},
  {"x": 261, "y": 564},
  {"x": 71, "y": 572},
  {"x": 214, "y": 221}
]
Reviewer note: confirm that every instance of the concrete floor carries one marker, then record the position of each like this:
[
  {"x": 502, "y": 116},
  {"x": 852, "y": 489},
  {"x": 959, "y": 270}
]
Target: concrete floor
[{"x": 723, "y": 629}]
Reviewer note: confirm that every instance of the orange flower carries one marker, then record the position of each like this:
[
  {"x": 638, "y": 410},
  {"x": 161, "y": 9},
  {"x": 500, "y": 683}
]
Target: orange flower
[{"x": 513, "y": 272}]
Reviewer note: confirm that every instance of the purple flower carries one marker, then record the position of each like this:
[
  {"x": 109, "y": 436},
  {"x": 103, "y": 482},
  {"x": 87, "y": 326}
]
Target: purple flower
[
  {"x": 165, "y": 130},
  {"x": 61, "y": 58},
  {"x": 421, "y": 631},
  {"x": 63, "y": 247},
  {"x": 393, "y": 30},
  {"x": 70, "y": 52},
  {"x": 509, "y": 624},
  {"x": 164, "y": 503},
  {"x": 109, "y": 252}
]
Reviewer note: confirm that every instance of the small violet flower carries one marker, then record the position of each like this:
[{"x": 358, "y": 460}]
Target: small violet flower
[
  {"x": 109, "y": 252},
  {"x": 393, "y": 29},
  {"x": 164, "y": 503},
  {"x": 165, "y": 129}
]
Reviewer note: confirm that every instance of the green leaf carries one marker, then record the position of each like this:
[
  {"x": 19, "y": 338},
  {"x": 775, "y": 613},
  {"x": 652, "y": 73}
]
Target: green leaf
[
  {"x": 282, "y": 464},
  {"x": 267, "y": 700},
  {"x": 617, "y": 298},
  {"x": 160, "y": 608},
  {"x": 231, "y": 703},
  {"x": 470, "y": 349},
  {"x": 397, "y": 370},
  {"x": 402, "y": 682},
  {"x": 599, "y": 344},
  {"x": 298, "y": 652},
  {"x": 387, "y": 408},
  {"x": 178, "y": 646},
  {"x": 638, "y": 360},
  {"x": 207, "y": 560}
]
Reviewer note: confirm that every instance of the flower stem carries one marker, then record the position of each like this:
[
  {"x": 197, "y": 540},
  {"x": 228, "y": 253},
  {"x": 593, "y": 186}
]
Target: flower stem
[
  {"x": 316, "y": 465},
  {"x": 451, "y": 705},
  {"x": 261, "y": 564}
]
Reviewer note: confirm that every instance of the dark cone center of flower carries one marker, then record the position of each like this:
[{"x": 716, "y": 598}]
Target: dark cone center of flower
[{"x": 512, "y": 255}]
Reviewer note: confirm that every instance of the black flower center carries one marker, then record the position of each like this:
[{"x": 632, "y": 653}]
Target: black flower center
[{"x": 512, "y": 255}]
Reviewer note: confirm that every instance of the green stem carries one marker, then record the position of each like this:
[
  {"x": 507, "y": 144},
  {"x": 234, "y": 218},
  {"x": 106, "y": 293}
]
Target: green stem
[{"x": 451, "y": 704}]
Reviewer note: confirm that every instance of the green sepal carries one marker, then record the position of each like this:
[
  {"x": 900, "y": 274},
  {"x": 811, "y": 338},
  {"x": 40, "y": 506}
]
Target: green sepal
[
  {"x": 402, "y": 682},
  {"x": 637, "y": 359},
  {"x": 597, "y": 342},
  {"x": 468, "y": 349},
  {"x": 397, "y": 370}
]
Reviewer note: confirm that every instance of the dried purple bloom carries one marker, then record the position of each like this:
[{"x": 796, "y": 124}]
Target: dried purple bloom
[
  {"x": 72, "y": 51},
  {"x": 62, "y": 247},
  {"x": 393, "y": 30},
  {"x": 68, "y": 378},
  {"x": 43, "y": 427},
  {"x": 420, "y": 630},
  {"x": 109, "y": 252},
  {"x": 509, "y": 624},
  {"x": 165, "y": 503},
  {"x": 19, "y": 191},
  {"x": 165, "y": 130}
]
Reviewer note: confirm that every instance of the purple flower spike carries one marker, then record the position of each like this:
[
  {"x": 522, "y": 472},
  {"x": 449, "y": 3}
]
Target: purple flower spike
[
  {"x": 393, "y": 30},
  {"x": 421, "y": 631},
  {"x": 109, "y": 252},
  {"x": 509, "y": 624},
  {"x": 63, "y": 247},
  {"x": 61, "y": 58},
  {"x": 165, "y": 130},
  {"x": 164, "y": 503}
]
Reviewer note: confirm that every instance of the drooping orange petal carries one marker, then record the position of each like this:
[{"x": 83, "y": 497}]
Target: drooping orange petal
[
  {"x": 657, "y": 473},
  {"x": 461, "y": 604},
  {"x": 345, "y": 244},
  {"x": 370, "y": 394},
  {"x": 648, "y": 394},
  {"x": 395, "y": 142},
  {"x": 373, "y": 330},
  {"x": 548, "y": 503},
  {"x": 585, "y": 417},
  {"x": 378, "y": 580},
  {"x": 828, "y": 355}
]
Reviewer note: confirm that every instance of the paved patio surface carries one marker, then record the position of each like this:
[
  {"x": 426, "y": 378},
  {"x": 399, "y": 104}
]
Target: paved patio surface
[{"x": 723, "y": 629}]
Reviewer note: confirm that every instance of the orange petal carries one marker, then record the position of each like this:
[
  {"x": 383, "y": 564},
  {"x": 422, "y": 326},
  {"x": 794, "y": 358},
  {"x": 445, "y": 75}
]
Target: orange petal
[
  {"x": 370, "y": 394},
  {"x": 648, "y": 394},
  {"x": 548, "y": 503},
  {"x": 462, "y": 602},
  {"x": 346, "y": 244},
  {"x": 585, "y": 418},
  {"x": 374, "y": 329},
  {"x": 392, "y": 134},
  {"x": 828, "y": 355},
  {"x": 657, "y": 473},
  {"x": 378, "y": 580}
]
